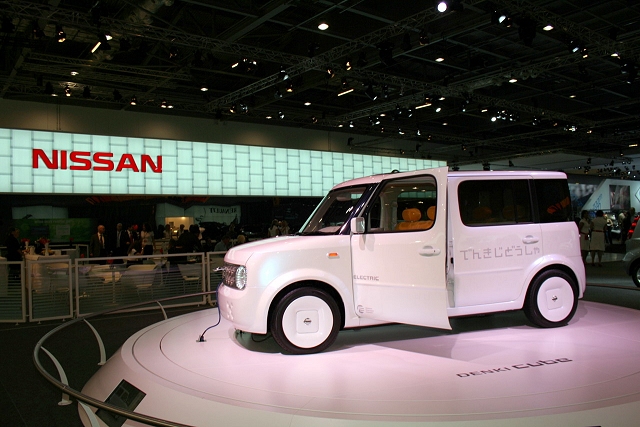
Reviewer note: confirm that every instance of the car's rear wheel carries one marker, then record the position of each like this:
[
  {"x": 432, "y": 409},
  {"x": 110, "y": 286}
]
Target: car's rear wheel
[
  {"x": 552, "y": 299},
  {"x": 634, "y": 271},
  {"x": 306, "y": 320}
]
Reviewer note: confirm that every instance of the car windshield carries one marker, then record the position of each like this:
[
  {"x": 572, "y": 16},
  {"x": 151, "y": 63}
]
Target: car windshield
[{"x": 333, "y": 211}]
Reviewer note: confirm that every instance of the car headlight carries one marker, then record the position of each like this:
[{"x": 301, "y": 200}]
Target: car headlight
[
  {"x": 234, "y": 276},
  {"x": 241, "y": 277}
]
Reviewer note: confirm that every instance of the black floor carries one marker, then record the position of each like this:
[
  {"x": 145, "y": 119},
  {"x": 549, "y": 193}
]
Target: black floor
[{"x": 27, "y": 399}]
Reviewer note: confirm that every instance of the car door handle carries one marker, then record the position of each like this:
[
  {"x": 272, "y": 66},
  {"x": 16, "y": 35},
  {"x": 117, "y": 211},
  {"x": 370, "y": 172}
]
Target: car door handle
[
  {"x": 429, "y": 251},
  {"x": 530, "y": 239}
]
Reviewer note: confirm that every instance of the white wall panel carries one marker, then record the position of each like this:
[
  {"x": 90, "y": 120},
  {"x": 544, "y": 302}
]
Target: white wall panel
[{"x": 188, "y": 167}]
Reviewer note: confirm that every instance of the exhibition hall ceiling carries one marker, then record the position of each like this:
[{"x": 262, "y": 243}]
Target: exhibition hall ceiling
[{"x": 548, "y": 84}]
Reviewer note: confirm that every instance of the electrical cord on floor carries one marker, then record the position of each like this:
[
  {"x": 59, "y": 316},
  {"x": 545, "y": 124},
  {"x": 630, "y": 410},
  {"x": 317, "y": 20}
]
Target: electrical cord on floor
[{"x": 201, "y": 337}]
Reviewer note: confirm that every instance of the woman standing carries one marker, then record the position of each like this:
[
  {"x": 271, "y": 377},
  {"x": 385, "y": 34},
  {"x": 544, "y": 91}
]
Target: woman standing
[
  {"x": 598, "y": 226},
  {"x": 146, "y": 236},
  {"x": 584, "y": 226}
]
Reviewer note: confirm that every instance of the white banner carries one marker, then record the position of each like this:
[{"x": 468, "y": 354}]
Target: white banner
[{"x": 212, "y": 213}]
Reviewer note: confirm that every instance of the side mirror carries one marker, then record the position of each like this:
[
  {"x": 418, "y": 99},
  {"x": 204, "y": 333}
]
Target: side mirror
[{"x": 357, "y": 225}]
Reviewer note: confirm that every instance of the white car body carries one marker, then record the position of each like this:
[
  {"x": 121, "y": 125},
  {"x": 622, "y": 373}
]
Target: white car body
[{"x": 456, "y": 263}]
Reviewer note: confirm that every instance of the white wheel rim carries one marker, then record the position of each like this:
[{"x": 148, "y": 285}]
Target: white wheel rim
[
  {"x": 555, "y": 299},
  {"x": 307, "y": 322}
]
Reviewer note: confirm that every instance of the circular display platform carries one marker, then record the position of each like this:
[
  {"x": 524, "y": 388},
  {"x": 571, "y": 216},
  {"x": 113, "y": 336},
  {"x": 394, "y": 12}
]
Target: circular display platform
[{"x": 492, "y": 370}]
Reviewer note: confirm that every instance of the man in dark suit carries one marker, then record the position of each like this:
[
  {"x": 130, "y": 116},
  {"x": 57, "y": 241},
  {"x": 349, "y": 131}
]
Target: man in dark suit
[
  {"x": 98, "y": 245},
  {"x": 120, "y": 243}
]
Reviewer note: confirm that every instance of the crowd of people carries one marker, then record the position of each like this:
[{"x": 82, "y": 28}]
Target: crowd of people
[
  {"x": 134, "y": 240},
  {"x": 596, "y": 233}
]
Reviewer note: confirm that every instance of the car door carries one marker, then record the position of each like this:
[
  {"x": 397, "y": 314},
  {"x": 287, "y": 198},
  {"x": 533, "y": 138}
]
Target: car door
[{"x": 399, "y": 264}]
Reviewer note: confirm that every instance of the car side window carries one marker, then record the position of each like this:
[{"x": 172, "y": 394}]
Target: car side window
[
  {"x": 554, "y": 201},
  {"x": 494, "y": 202},
  {"x": 403, "y": 205}
]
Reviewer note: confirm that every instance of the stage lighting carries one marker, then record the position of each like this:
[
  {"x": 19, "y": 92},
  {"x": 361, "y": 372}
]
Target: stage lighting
[
  {"x": 283, "y": 74},
  {"x": 61, "y": 36},
  {"x": 370, "y": 93},
  {"x": 362, "y": 60},
  {"x": 48, "y": 89}
]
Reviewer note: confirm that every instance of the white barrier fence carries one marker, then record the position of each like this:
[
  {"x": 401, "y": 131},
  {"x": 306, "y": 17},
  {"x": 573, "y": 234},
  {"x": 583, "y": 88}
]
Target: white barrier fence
[{"x": 61, "y": 287}]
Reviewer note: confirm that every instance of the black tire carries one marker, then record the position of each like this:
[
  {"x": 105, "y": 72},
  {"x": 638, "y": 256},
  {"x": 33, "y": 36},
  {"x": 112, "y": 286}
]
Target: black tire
[
  {"x": 552, "y": 299},
  {"x": 305, "y": 321},
  {"x": 634, "y": 271}
]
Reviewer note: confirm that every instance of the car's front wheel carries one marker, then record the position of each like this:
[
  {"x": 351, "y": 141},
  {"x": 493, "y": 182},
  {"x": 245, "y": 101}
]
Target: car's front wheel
[
  {"x": 552, "y": 299},
  {"x": 306, "y": 320}
]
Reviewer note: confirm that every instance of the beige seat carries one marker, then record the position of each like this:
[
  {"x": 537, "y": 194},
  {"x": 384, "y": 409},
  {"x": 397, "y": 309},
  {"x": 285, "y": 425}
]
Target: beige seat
[
  {"x": 191, "y": 277},
  {"x": 139, "y": 277},
  {"x": 411, "y": 217}
]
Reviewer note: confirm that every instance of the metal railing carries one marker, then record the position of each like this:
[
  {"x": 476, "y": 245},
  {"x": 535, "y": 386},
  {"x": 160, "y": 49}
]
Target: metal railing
[
  {"x": 63, "y": 287},
  {"x": 87, "y": 402}
]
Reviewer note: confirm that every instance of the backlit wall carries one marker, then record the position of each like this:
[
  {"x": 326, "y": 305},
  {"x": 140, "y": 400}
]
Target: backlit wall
[{"x": 71, "y": 163}]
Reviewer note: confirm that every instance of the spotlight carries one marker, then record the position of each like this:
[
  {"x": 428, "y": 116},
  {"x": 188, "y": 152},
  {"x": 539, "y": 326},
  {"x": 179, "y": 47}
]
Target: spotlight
[
  {"x": 362, "y": 60},
  {"x": 527, "y": 31},
  {"x": 486, "y": 166},
  {"x": 289, "y": 87},
  {"x": 312, "y": 48},
  {"x": 510, "y": 164},
  {"x": 351, "y": 125},
  {"x": 233, "y": 109},
  {"x": 280, "y": 115},
  {"x": 37, "y": 32},
  {"x": 61, "y": 36},
  {"x": 173, "y": 52},
  {"x": 163, "y": 103},
  {"x": 406, "y": 42},
  {"x": 204, "y": 88},
  {"x": 370, "y": 93},
  {"x": 348, "y": 65},
  {"x": 323, "y": 25},
  {"x": 277, "y": 94},
  {"x": 349, "y": 141},
  {"x": 330, "y": 73},
  {"x": 125, "y": 44},
  {"x": 134, "y": 100},
  {"x": 386, "y": 54},
  {"x": 48, "y": 89},
  {"x": 67, "y": 90},
  {"x": 423, "y": 39},
  {"x": 243, "y": 108},
  {"x": 86, "y": 92},
  {"x": 7, "y": 25},
  {"x": 314, "y": 120},
  {"x": 116, "y": 95},
  {"x": 444, "y": 5},
  {"x": 283, "y": 74}
]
